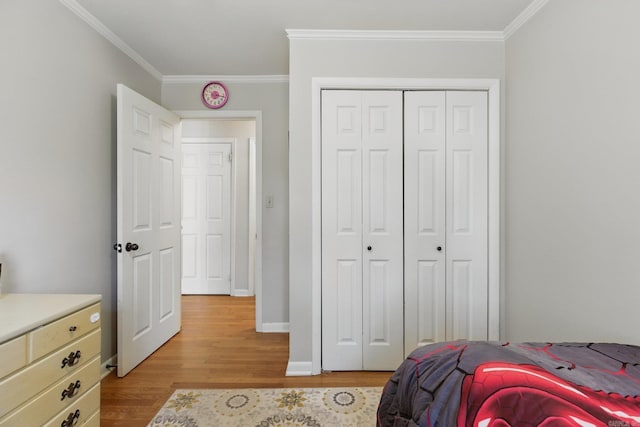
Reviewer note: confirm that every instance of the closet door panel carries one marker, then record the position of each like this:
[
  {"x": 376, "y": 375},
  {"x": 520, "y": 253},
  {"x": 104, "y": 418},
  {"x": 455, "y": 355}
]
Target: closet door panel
[
  {"x": 382, "y": 246},
  {"x": 424, "y": 217},
  {"x": 342, "y": 230},
  {"x": 467, "y": 194}
]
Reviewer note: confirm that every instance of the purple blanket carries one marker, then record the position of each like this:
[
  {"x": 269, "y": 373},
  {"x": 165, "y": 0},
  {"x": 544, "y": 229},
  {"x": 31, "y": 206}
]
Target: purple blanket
[{"x": 490, "y": 384}]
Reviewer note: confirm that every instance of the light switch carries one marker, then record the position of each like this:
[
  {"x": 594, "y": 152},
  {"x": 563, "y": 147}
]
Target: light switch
[{"x": 269, "y": 203}]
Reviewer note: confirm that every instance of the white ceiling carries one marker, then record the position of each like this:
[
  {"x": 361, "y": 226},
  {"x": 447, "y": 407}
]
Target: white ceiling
[{"x": 247, "y": 37}]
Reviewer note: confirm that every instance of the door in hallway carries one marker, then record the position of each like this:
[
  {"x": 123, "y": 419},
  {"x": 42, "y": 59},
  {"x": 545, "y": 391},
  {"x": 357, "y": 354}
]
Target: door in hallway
[{"x": 206, "y": 218}]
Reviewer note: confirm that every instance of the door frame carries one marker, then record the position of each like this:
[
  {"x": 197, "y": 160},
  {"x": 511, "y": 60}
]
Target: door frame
[
  {"x": 492, "y": 87},
  {"x": 253, "y": 204},
  {"x": 244, "y": 115},
  {"x": 232, "y": 234}
]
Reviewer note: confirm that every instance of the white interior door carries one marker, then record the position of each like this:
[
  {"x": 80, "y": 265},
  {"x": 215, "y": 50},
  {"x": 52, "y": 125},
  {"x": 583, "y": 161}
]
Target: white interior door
[
  {"x": 362, "y": 260},
  {"x": 424, "y": 218},
  {"x": 467, "y": 215},
  {"x": 148, "y": 157},
  {"x": 206, "y": 218},
  {"x": 342, "y": 230},
  {"x": 445, "y": 217}
]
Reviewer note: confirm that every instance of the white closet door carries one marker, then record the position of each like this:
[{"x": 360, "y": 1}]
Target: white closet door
[
  {"x": 467, "y": 193},
  {"x": 341, "y": 230},
  {"x": 383, "y": 311},
  {"x": 362, "y": 307},
  {"x": 445, "y": 217},
  {"x": 424, "y": 218}
]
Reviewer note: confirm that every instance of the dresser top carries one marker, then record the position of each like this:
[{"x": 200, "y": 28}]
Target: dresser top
[{"x": 20, "y": 313}]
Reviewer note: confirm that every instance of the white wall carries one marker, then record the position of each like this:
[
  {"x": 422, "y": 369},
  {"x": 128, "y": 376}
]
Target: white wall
[
  {"x": 354, "y": 58},
  {"x": 57, "y": 153},
  {"x": 272, "y": 99},
  {"x": 573, "y": 174},
  {"x": 241, "y": 130}
]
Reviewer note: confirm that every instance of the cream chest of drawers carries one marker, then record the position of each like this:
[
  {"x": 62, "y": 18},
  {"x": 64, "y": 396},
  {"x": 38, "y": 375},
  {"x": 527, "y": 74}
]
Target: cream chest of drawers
[{"x": 49, "y": 360}]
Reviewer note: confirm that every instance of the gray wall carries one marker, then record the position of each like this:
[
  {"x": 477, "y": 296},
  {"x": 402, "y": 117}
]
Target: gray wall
[
  {"x": 573, "y": 174},
  {"x": 57, "y": 153},
  {"x": 340, "y": 58},
  {"x": 272, "y": 99}
]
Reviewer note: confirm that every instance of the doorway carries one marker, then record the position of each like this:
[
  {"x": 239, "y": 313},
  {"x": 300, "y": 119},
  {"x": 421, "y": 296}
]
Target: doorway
[
  {"x": 217, "y": 216},
  {"x": 244, "y": 131}
]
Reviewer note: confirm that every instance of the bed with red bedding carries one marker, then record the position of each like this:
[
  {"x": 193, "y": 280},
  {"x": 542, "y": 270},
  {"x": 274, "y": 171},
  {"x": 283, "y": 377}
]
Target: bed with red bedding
[{"x": 489, "y": 384}]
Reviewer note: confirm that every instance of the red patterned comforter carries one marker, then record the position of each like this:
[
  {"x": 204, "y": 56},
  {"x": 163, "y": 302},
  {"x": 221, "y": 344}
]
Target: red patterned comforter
[{"x": 488, "y": 384}]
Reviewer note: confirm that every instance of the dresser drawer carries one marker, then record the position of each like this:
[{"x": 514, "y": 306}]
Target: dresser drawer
[
  {"x": 93, "y": 420},
  {"x": 50, "y": 402},
  {"x": 20, "y": 387},
  {"x": 56, "y": 334},
  {"x": 14, "y": 355},
  {"x": 80, "y": 411}
]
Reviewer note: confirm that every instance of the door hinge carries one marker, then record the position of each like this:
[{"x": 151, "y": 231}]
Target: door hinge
[{"x": 230, "y": 157}]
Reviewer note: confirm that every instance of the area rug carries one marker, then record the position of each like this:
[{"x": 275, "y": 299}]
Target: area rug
[{"x": 273, "y": 407}]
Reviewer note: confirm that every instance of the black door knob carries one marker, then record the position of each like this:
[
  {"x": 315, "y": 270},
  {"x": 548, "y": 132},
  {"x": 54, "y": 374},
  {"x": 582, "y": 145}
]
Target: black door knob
[
  {"x": 439, "y": 248},
  {"x": 131, "y": 247},
  {"x": 369, "y": 248}
]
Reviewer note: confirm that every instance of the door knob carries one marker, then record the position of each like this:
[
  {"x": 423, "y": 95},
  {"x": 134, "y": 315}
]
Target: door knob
[
  {"x": 439, "y": 248},
  {"x": 131, "y": 247},
  {"x": 369, "y": 248}
]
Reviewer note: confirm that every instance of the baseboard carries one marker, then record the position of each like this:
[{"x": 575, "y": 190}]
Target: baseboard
[
  {"x": 299, "y": 369},
  {"x": 104, "y": 371},
  {"x": 241, "y": 293},
  {"x": 275, "y": 327}
]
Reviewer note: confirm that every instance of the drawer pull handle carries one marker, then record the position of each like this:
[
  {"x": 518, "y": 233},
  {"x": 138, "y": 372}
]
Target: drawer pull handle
[
  {"x": 72, "y": 419},
  {"x": 71, "y": 390},
  {"x": 73, "y": 328},
  {"x": 71, "y": 360}
]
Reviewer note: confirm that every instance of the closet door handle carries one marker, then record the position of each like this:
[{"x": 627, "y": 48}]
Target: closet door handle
[
  {"x": 439, "y": 248},
  {"x": 369, "y": 248}
]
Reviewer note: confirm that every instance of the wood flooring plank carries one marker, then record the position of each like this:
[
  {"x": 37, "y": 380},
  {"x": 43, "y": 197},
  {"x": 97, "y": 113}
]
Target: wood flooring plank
[{"x": 216, "y": 348}]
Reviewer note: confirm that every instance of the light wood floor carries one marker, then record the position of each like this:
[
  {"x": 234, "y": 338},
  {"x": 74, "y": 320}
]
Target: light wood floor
[{"x": 217, "y": 348}]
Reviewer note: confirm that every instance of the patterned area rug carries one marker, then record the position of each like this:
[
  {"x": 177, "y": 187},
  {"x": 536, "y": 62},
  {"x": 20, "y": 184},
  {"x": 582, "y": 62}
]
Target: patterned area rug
[{"x": 273, "y": 407}]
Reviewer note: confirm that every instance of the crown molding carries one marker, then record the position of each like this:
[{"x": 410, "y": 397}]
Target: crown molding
[
  {"x": 95, "y": 23},
  {"x": 247, "y": 79},
  {"x": 523, "y": 17},
  {"x": 491, "y": 36},
  {"x": 301, "y": 34}
]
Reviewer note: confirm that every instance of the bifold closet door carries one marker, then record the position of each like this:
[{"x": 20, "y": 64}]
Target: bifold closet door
[
  {"x": 424, "y": 216},
  {"x": 446, "y": 191},
  {"x": 362, "y": 231}
]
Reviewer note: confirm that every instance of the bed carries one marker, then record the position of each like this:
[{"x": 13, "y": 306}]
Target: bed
[{"x": 490, "y": 384}]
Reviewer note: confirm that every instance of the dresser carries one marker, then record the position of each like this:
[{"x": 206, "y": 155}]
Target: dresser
[{"x": 49, "y": 360}]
